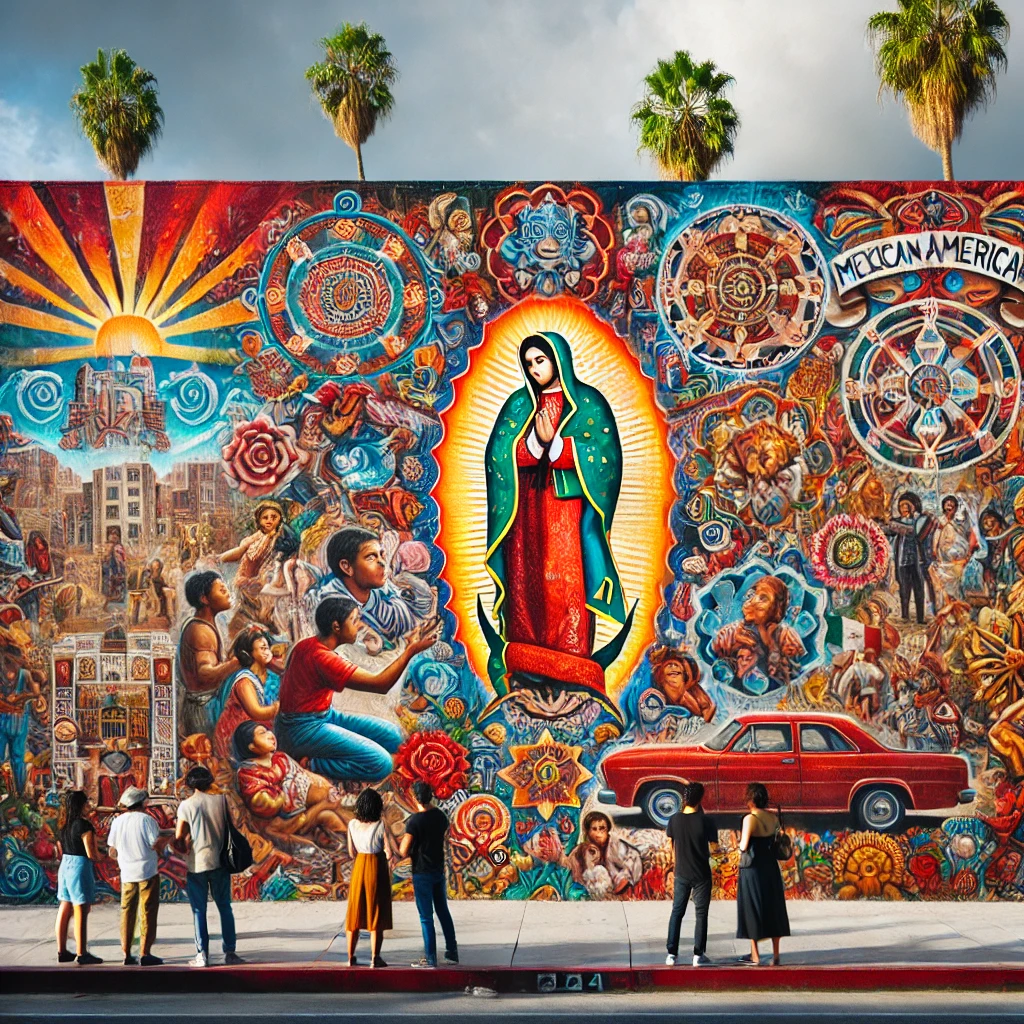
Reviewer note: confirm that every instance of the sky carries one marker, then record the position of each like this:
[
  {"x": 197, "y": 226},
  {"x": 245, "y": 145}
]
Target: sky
[{"x": 488, "y": 89}]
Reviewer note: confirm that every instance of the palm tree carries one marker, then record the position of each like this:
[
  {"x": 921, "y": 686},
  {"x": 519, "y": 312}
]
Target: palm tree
[
  {"x": 353, "y": 84},
  {"x": 684, "y": 122},
  {"x": 116, "y": 107},
  {"x": 940, "y": 57}
]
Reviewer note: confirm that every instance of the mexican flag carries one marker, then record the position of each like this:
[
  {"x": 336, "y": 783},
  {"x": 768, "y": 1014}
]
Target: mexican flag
[{"x": 851, "y": 635}]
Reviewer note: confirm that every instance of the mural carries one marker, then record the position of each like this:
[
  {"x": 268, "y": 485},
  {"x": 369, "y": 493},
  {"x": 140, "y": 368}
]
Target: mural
[{"x": 594, "y": 489}]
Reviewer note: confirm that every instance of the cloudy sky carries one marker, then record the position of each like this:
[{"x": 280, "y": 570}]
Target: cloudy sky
[{"x": 489, "y": 89}]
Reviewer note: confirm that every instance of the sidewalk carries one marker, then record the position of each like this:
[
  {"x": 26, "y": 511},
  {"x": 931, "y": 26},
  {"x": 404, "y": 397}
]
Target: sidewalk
[{"x": 881, "y": 944}]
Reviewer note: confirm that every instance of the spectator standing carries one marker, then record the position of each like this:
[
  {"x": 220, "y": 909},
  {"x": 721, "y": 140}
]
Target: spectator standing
[
  {"x": 424, "y": 842},
  {"x": 691, "y": 833},
  {"x": 202, "y": 829},
  {"x": 369, "y": 891},
  {"x": 76, "y": 881},
  {"x": 761, "y": 898},
  {"x": 132, "y": 843}
]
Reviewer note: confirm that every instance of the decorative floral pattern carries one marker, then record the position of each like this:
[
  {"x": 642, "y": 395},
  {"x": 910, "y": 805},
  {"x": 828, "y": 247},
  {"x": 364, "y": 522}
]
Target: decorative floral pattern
[
  {"x": 545, "y": 775},
  {"x": 261, "y": 456},
  {"x": 434, "y": 758},
  {"x": 849, "y": 552}
]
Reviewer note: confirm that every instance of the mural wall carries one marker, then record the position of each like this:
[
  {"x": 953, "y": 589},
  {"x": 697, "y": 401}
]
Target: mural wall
[{"x": 590, "y": 490}]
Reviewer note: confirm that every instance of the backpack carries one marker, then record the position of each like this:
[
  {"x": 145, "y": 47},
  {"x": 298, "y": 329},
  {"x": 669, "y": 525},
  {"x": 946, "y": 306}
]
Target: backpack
[{"x": 236, "y": 856}]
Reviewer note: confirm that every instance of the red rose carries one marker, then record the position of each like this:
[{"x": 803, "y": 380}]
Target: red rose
[
  {"x": 434, "y": 758},
  {"x": 926, "y": 871},
  {"x": 261, "y": 456}
]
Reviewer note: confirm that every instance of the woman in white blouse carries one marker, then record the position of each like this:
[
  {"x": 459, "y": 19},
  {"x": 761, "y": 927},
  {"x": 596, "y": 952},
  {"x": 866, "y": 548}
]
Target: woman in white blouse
[{"x": 369, "y": 892}]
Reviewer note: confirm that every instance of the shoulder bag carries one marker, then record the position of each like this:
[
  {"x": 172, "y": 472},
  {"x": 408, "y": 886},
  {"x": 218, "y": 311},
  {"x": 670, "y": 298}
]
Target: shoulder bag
[
  {"x": 237, "y": 853},
  {"x": 782, "y": 842}
]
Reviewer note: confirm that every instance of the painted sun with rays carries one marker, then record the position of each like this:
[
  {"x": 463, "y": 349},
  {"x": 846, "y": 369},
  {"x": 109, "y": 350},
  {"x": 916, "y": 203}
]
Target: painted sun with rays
[{"x": 97, "y": 271}]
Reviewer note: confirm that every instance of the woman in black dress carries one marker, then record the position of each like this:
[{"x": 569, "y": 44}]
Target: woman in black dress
[{"x": 761, "y": 901}]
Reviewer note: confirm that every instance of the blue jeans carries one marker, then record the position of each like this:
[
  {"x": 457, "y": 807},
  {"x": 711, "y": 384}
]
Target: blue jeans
[
  {"x": 353, "y": 748},
  {"x": 218, "y": 884},
  {"x": 432, "y": 898}
]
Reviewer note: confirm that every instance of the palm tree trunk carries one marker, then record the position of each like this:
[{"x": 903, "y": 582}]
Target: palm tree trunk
[
  {"x": 947, "y": 161},
  {"x": 359, "y": 163}
]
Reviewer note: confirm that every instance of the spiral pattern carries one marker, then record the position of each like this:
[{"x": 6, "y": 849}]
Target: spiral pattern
[
  {"x": 195, "y": 397},
  {"x": 40, "y": 396},
  {"x": 21, "y": 878},
  {"x": 348, "y": 202}
]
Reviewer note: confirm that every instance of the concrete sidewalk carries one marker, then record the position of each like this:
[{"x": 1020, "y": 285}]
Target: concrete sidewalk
[{"x": 538, "y": 935}]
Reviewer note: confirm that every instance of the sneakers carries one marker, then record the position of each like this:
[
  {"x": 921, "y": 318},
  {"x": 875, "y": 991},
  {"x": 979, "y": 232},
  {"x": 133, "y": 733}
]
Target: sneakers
[
  {"x": 451, "y": 958},
  {"x": 700, "y": 960},
  {"x": 423, "y": 962},
  {"x": 129, "y": 960},
  {"x": 88, "y": 960},
  {"x": 199, "y": 960},
  {"x": 65, "y": 957},
  {"x": 670, "y": 960},
  {"x": 148, "y": 960},
  {"x": 232, "y": 959}
]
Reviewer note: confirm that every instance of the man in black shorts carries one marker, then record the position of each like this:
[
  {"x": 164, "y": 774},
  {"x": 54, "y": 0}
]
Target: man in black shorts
[{"x": 691, "y": 833}]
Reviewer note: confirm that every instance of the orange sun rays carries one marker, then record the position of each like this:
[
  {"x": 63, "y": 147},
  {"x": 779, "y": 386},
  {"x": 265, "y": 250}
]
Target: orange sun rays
[
  {"x": 94, "y": 305},
  {"x": 640, "y": 537}
]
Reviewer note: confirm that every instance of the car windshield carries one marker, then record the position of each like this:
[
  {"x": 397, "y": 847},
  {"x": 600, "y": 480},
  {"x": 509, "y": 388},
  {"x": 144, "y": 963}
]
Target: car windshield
[{"x": 720, "y": 740}]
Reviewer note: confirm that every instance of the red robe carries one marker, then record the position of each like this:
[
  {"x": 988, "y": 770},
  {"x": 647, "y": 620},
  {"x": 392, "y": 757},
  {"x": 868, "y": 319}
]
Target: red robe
[{"x": 546, "y": 592}]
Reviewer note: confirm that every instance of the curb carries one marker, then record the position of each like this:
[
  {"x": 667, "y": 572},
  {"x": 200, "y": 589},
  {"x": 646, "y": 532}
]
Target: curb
[{"x": 507, "y": 980}]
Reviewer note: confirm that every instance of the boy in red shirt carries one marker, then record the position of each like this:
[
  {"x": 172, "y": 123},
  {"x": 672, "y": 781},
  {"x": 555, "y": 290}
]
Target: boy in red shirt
[{"x": 340, "y": 746}]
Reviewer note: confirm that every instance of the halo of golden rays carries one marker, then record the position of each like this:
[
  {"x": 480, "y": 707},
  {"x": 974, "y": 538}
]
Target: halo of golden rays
[
  {"x": 130, "y": 319},
  {"x": 640, "y": 536}
]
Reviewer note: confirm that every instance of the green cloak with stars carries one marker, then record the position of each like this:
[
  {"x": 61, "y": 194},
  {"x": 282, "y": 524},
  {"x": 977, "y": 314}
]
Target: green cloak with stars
[{"x": 588, "y": 420}]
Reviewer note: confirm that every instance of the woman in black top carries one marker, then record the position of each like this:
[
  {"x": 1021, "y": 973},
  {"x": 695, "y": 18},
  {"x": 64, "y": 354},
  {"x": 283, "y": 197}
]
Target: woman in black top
[
  {"x": 761, "y": 900},
  {"x": 76, "y": 883}
]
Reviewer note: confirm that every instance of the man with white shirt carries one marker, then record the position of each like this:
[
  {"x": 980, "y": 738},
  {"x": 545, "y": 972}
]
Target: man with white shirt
[
  {"x": 132, "y": 843},
  {"x": 202, "y": 828}
]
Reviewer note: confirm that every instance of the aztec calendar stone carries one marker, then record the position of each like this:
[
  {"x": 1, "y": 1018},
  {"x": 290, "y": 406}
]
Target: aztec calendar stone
[
  {"x": 347, "y": 292},
  {"x": 743, "y": 289},
  {"x": 931, "y": 386}
]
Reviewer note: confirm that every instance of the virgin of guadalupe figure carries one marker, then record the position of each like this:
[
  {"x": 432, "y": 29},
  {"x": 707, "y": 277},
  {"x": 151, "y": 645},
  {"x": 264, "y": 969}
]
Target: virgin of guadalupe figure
[{"x": 553, "y": 471}]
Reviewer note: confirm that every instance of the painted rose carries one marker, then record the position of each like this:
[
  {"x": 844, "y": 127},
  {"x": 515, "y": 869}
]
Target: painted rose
[
  {"x": 261, "y": 456},
  {"x": 435, "y": 758},
  {"x": 927, "y": 872}
]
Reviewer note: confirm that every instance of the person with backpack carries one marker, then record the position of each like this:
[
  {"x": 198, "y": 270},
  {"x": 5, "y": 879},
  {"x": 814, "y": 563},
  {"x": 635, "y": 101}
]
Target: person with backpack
[
  {"x": 691, "y": 833},
  {"x": 132, "y": 843},
  {"x": 424, "y": 843},
  {"x": 202, "y": 831}
]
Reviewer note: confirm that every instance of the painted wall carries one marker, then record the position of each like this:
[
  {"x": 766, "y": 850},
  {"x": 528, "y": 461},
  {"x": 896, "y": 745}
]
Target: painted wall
[{"x": 717, "y": 482}]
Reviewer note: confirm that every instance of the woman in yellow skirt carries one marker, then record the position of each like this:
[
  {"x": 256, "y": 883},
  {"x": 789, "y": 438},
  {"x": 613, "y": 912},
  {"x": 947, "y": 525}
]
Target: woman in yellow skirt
[{"x": 369, "y": 891}]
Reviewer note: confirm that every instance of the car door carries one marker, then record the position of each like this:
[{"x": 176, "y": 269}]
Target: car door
[
  {"x": 763, "y": 752},
  {"x": 830, "y": 765}
]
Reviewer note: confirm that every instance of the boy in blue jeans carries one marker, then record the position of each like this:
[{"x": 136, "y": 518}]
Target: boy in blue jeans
[{"x": 424, "y": 842}]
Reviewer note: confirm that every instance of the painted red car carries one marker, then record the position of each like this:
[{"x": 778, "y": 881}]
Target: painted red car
[{"x": 809, "y": 762}]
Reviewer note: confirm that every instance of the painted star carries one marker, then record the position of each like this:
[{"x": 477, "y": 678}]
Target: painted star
[{"x": 545, "y": 775}]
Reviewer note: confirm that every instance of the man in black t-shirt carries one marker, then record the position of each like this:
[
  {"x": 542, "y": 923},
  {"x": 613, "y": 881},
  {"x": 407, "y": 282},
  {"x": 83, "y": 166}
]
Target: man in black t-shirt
[
  {"x": 691, "y": 833},
  {"x": 424, "y": 842}
]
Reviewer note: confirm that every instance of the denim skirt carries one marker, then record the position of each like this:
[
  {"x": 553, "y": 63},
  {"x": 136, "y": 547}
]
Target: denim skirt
[{"x": 76, "y": 882}]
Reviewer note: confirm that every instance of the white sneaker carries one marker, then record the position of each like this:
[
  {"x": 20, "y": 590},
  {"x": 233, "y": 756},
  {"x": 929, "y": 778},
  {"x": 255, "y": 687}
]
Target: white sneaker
[
  {"x": 670, "y": 961},
  {"x": 199, "y": 960},
  {"x": 701, "y": 961}
]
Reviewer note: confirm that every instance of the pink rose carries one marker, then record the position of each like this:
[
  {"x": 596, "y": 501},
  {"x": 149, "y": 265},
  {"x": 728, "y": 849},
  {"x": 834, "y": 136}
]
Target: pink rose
[{"x": 261, "y": 456}]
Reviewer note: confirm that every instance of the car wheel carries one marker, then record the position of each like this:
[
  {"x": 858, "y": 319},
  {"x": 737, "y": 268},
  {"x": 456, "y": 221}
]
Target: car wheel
[
  {"x": 661, "y": 800},
  {"x": 880, "y": 810}
]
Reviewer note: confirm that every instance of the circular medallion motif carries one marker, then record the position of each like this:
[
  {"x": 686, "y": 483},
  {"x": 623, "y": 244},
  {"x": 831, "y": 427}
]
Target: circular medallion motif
[
  {"x": 742, "y": 288},
  {"x": 347, "y": 292},
  {"x": 931, "y": 386},
  {"x": 849, "y": 552}
]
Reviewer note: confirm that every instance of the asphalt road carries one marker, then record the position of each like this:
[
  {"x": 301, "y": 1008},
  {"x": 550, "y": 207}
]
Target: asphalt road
[{"x": 779, "y": 1008}]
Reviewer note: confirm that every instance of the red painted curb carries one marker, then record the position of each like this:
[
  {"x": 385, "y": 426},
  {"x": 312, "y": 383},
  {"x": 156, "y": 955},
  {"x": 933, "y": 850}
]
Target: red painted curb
[{"x": 319, "y": 977}]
